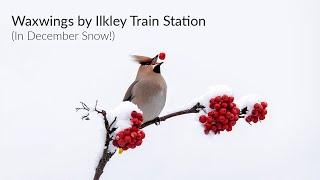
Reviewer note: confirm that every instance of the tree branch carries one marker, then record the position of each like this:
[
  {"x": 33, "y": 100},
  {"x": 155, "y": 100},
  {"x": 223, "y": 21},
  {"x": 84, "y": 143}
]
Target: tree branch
[
  {"x": 195, "y": 109},
  {"x": 107, "y": 155},
  {"x": 102, "y": 163}
]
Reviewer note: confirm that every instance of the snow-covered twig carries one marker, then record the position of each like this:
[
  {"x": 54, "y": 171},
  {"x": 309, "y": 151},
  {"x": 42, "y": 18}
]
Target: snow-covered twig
[{"x": 106, "y": 153}]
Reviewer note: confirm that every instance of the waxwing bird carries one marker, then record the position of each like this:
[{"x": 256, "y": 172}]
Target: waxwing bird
[{"x": 149, "y": 90}]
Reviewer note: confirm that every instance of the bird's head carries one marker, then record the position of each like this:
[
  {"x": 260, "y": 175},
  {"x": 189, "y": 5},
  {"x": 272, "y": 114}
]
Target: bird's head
[
  {"x": 149, "y": 64},
  {"x": 147, "y": 61}
]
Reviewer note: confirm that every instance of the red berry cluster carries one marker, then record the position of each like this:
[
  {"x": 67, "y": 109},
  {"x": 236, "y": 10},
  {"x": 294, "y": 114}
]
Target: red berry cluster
[
  {"x": 258, "y": 113},
  {"x": 130, "y": 137},
  {"x": 223, "y": 116}
]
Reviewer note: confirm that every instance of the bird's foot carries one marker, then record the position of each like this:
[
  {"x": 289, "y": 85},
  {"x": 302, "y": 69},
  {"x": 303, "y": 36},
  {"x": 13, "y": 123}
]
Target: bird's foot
[{"x": 157, "y": 121}]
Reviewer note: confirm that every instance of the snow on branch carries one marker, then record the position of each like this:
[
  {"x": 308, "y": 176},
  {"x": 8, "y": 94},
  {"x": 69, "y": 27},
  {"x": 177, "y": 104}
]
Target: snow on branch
[{"x": 107, "y": 154}]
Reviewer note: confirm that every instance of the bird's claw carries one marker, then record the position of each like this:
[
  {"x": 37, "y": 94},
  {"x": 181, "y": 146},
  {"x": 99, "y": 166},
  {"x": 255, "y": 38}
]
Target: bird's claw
[{"x": 157, "y": 121}]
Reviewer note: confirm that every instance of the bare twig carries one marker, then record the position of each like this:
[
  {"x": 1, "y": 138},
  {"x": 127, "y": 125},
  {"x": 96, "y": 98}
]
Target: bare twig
[{"x": 86, "y": 108}]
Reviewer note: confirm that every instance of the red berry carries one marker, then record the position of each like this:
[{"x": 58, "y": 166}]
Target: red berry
[
  {"x": 231, "y": 118},
  {"x": 218, "y": 99},
  {"x": 234, "y": 111},
  {"x": 264, "y": 104},
  {"x": 208, "y": 126},
  {"x": 143, "y": 135},
  {"x": 202, "y": 119},
  {"x": 225, "y": 126},
  {"x": 214, "y": 128},
  {"x": 139, "y": 142},
  {"x": 212, "y": 101},
  {"x": 228, "y": 115},
  {"x": 225, "y": 121},
  {"x": 134, "y": 134},
  {"x": 206, "y": 131},
  {"x": 138, "y": 136},
  {"x": 121, "y": 135},
  {"x": 221, "y": 118},
  {"x": 216, "y": 106},
  {"x": 264, "y": 112},
  {"x": 255, "y": 119},
  {"x": 225, "y": 98},
  {"x": 139, "y": 116},
  {"x": 209, "y": 119},
  {"x": 231, "y": 105},
  {"x": 133, "y": 141},
  {"x": 127, "y": 131},
  {"x": 262, "y": 117},
  {"x": 130, "y": 146},
  {"x": 134, "y": 129},
  {"x": 162, "y": 55},
  {"x": 115, "y": 143},
  {"x": 219, "y": 126},
  {"x": 121, "y": 143},
  {"x": 259, "y": 114},
  {"x": 125, "y": 148},
  {"x": 231, "y": 99},
  {"x": 236, "y": 117},
  {"x": 222, "y": 111},
  {"x": 127, "y": 139},
  {"x": 249, "y": 119},
  {"x": 255, "y": 113},
  {"x": 211, "y": 106},
  {"x": 135, "y": 121},
  {"x": 232, "y": 123},
  {"x": 258, "y": 107},
  {"x": 238, "y": 110},
  {"x": 229, "y": 128},
  {"x": 224, "y": 105},
  {"x": 134, "y": 114},
  {"x": 215, "y": 114}
]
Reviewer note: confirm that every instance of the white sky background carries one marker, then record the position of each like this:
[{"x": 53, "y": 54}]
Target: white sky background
[{"x": 265, "y": 47}]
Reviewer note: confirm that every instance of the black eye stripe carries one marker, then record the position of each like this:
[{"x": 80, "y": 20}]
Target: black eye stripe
[{"x": 145, "y": 63}]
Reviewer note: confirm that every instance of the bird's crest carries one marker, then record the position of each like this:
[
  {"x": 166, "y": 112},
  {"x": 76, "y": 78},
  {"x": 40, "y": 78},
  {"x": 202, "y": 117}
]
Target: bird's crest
[{"x": 144, "y": 60}]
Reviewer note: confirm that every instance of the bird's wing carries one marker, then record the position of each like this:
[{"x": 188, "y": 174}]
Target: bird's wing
[{"x": 129, "y": 96}]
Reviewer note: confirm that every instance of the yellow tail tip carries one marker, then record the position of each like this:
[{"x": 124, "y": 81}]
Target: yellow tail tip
[{"x": 120, "y": 151}]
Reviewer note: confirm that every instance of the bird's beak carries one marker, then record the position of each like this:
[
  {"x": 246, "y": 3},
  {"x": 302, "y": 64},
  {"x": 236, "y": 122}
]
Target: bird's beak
[{"x": 154, "y": 60}]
